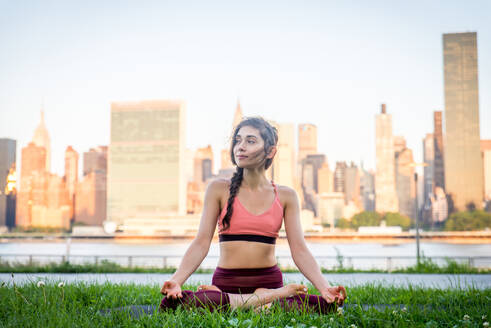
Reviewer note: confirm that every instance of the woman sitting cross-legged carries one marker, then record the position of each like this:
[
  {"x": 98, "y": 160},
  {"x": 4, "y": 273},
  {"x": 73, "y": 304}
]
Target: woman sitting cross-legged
[{"x": 249, "y": 211}]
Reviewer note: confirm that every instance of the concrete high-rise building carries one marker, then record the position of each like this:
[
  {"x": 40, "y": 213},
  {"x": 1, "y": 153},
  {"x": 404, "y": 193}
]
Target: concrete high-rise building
[
  {"x": 367, "y": 189},
  {"x": 340, "y": 177},
  {"x": 95, "y": 160},
  {"x": 283, "y": 167},
  {"x": 429, "y": 170},
  {"x": 405, "y": 184},
  {"x": 33, "y": 164},
  {"x": 71, "y": 175},
  {"x": 385, "y": 186},
  {"x": 439, "y": 170},
  {"x": 310, "y": 180},
  {"x": 7, "y": 163},
  {"x": 91, "y": 201},
  {"x": 203, "y": 164},
  {"x": 352, "y": 185},
  {"x": 486, "y": 156},
  {"x": 71, "y": 169},
  {"x": 307, "y": 141},
  {"x": 146, "y": 176},
  {"x": 330, "y": 207},
  {"x": 326, "y": 179},
  {"x": 41, "y": 139},
  {"x": 463, "y": 163}
]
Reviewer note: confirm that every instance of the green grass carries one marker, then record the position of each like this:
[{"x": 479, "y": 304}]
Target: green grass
[
  {"x": 425, "y": 266},
  {"x": 78, "y": 305}
]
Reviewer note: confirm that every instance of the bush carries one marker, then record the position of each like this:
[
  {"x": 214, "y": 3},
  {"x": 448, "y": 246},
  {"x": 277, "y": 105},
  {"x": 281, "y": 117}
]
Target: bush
[
  {"x": 397, "y": 219},
  {"x": 468, "y": 220},
  {"x": 366, "y": 219},
  {"x": 343, "y": 223}
]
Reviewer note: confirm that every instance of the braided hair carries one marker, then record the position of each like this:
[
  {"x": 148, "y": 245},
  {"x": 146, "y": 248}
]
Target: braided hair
[{"x": 270, "y": 137}]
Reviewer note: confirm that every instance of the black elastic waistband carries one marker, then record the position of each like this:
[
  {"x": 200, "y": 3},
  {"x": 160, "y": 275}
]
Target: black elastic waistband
[{"x": 256, "y": 238}]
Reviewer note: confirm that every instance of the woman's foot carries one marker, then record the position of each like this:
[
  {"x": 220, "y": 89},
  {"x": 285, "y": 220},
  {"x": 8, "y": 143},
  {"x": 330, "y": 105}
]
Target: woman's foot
[
  {"x": 264, "y": 296},
  {"x": 208, "y": 287}
]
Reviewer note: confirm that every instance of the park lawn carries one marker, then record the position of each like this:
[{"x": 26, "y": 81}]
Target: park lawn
[{"x": 79, "y": 305}]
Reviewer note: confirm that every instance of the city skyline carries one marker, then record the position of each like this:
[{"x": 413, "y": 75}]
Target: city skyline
[{"x": 302, "y": 62}]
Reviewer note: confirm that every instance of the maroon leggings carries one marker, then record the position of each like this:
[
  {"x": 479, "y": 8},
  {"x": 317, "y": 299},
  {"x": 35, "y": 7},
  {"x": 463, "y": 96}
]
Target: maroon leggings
[{"x": 246, "y": 281}]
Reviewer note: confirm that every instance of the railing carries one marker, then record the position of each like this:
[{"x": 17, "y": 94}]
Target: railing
[{"x": 388, "y": 263}]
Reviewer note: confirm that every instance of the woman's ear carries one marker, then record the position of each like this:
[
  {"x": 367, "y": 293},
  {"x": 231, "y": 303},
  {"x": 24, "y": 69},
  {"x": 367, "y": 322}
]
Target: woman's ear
[{"x": 272, "y": 152}]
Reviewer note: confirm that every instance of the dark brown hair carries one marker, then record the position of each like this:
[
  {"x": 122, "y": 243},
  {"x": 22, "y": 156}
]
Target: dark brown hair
[{"x": 270, "y": 137}]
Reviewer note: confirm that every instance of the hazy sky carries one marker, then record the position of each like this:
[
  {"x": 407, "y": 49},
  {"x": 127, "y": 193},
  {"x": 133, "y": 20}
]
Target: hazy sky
[{"x": 330, "y": 63}]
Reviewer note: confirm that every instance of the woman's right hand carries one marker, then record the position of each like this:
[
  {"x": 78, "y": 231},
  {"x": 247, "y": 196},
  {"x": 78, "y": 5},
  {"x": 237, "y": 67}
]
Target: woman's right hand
[{"x": 171, "y": 289}]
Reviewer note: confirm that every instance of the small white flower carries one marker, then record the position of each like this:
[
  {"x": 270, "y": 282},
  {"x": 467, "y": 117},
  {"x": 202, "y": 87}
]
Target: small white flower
[
  {"x": 484, "y": 317},
  {"x": 485, "y": 324},
  {"x": 466, "y": 317},
  {"x": 40, "y": 284},
  {"x": 293, "y": 320},
  {"x": 61, "y": 284},
  {"x": 331, "y": 319},
  {"x": 394, "y": 312},
  {"x": 353, "y": 325},
  {"x": 404, "y": 309},
  {"x": 340, "y": 311}
]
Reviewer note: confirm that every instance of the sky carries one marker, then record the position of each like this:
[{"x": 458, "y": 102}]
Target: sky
[{"x": 329, "y": 63}]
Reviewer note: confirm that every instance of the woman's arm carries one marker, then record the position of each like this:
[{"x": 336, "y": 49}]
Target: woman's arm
[
  {"x": 200, "y": 246},
  {"x": 301, "y": 254}
]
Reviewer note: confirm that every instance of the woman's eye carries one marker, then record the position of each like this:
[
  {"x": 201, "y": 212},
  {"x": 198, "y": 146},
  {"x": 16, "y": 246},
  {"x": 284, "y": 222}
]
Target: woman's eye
[{"x": 251, "y": 141}]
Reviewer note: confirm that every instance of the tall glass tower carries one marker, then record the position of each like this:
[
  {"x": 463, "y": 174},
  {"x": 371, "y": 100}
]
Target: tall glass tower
[{"x": 463, "y": 162}]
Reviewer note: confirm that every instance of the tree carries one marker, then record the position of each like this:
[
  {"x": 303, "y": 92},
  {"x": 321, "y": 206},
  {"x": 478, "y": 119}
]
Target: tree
[
  {"x": 468, "y": 220},
  {"x": 343, "y": 223},
  {"x": 366, "y": 218},
  {"x": 397, "y": 219}
]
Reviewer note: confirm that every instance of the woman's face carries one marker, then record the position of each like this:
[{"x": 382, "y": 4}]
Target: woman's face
[{"x": 249, "y": 148}]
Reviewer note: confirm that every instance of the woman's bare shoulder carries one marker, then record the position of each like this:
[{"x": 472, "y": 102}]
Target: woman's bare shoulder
[
  {"x": 219, "y": 186},
  {"x": 286, "y": 194}
]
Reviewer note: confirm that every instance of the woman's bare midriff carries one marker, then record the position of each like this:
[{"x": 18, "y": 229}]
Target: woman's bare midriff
[{"x": 246, "y": 254}]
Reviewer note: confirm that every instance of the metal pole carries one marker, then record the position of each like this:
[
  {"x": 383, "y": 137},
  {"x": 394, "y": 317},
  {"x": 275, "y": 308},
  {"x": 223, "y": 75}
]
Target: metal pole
[{"x": 417, "y": 217}]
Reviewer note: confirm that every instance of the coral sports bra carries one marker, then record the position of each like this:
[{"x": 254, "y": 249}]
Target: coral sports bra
[{"x": 245, "y": 226}]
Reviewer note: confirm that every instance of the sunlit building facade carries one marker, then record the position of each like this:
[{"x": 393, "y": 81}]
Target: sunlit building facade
[
  {"x": 7, "y": 164},
  {"x": 439, "y": 169},
  {"x": 385, "y": 188},
  {"x": 486, "y": 156},
  {"x": 463, "y": 162},
  {"x": 146, "y": 178},
  {"x": 283, "y": 167}
]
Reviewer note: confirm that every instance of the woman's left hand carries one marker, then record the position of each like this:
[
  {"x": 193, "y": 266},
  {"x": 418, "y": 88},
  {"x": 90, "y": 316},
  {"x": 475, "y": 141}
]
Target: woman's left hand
[{"x": 334, "y": 294}]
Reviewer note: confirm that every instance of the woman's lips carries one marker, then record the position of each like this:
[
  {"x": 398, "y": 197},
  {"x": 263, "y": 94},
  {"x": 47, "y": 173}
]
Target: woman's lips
[{"x": 241, "y": 156}]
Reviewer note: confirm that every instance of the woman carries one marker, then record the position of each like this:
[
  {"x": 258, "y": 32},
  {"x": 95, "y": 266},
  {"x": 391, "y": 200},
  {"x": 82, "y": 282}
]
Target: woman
[{"x": 249, "y": 211}]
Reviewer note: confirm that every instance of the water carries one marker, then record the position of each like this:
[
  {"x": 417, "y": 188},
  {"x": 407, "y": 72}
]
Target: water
[{"x": 110, "y": 249}]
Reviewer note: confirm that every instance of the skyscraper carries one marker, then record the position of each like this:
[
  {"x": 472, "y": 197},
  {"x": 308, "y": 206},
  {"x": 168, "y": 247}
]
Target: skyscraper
[
  {"x": 283, "y": 166},
  {"x": 385, "y": 188},
  {"x": 7, "y": 161},
  {"x": 307, "y": 141},
  {"x": 91, "y": 191},
  {"x": 429, "y": 170},
  {"x": 439, "y": 171},
  {"x": 463, "y": 163},
  {"x": 203, "y": 164},
  {"x": 405, "y": 184},
  {"x": 41, "y": 139},
  {"x": 33, "y": 165},
  {"x": 340, "y": 177},
  {"x": 352, "y": 185},
  {"x": 146, "y": 178},
  {"x": 486, "y": 156},
  {"x": 95, "y": 160},
  {"x": 71, "y": 176}
]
